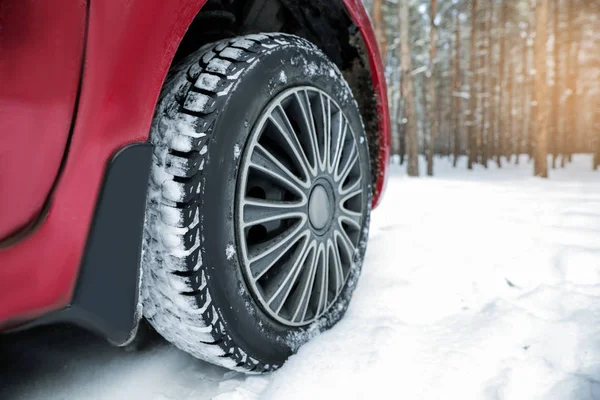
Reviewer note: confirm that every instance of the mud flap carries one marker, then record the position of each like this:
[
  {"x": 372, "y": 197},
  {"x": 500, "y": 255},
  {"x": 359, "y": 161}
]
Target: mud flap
[{"x": 106, "y": 296}]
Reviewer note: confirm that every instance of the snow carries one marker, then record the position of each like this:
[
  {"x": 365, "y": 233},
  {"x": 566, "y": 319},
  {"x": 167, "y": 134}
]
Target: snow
[
  {"x": 231, "y": 53},
  {"x": 208, "y": 56},
  {"x": 218, "y": 65},
  {"x": 172, "y": 190},
  {"x": 230, "y": 251},
  {"x": 257, "y": 37},
  {"x": 480, "y": 284},
  {"x": 282, "y": 77},
  {"x": 196, "y": 102},
  {"x": 226, "y": 90},
  {"x": 243, "y": 43},
  {"x": 311, "y": 69},
  {"x": 207, "y": 82}
]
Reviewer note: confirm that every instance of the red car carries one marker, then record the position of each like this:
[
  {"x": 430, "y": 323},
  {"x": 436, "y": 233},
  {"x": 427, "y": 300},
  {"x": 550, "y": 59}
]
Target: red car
[{"x": 209, "y": 166}]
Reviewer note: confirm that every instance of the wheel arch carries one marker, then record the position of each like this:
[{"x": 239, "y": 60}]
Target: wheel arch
[{"x": 343, "y": 31}]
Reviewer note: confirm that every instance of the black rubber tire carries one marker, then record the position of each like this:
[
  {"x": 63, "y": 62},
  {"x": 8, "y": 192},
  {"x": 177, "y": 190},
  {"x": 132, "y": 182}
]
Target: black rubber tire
[{"x": 193, "y": 290}]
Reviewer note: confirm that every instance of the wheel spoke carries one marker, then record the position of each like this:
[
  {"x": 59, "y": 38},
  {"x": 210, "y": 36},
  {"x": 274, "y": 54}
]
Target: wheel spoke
[
  {"x": 348, "y": 164},
  {"x": 285, "y": 129},
  {"x": 320, "y": 290},
  {"x": 268, "y": 164},
  {"x": 324, "y": 128},
  {"x": 301, "y": 297},
  {"x": 263, "y": 211},
  {"x": 336, "y": 264},
  {"x": 339, "y": 144},
  {"x": 283, "y": 283},
  {"x": 342, "y": 237},
  {"x": 309, "y": 124},
  {"x": 350, "y": 217},
  {"x": 263, "y": 256},
  {"x": 351, "y": 189},
  {"x": 327, "y": 139}
]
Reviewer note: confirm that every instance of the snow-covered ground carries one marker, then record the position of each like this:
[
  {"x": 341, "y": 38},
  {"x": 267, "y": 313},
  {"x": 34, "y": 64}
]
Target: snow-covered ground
[{"x": 476, "y": 285}]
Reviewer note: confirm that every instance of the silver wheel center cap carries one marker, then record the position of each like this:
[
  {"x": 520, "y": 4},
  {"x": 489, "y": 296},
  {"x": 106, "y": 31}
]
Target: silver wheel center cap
[{"x": 319, "y": 208}]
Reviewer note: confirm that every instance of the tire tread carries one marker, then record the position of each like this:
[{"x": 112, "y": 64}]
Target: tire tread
[{"x": 179, "y": 305}]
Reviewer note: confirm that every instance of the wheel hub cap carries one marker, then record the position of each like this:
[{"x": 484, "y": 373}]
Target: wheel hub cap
[
  {"x": 300, "y": 204},
  {"x": 319, "y": 208}
]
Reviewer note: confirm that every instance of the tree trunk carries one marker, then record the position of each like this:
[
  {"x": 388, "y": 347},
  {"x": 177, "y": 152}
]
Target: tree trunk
[
  {"x": 425, "y": 123},
  {"x": 493, "y": 32},
  {"x": 485, "y": 92},
  {"x": 379, "y": 25},
  {"x": 596, "y": 134},
  {"x": 509, "y": 148},
  {"x": 501, "y": 127},
  {"x": 533, "y": 100},
  {"x": 541, "y": 126},
  {"x": 596, "y": 110},
  {"x": 396, "y": 110},
  {"x": 571, "y": 77},
  {"x": 472, "y": 131},
  {"x": 401, "y": 132},
  {"x": 456, "y": 88},
  {"x": 412, "y": 145},
  {"x": 493, "y": 92},
  {"x": 576, "y": 116},
  {"x": 554, "y": 124},
  {"x": 522, "y": 106},
  {"x": 432, "y": 95}
]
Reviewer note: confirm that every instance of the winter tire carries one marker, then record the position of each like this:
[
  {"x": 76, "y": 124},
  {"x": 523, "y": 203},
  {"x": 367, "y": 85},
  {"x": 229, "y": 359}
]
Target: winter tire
[{"x": 259, "y": 203}]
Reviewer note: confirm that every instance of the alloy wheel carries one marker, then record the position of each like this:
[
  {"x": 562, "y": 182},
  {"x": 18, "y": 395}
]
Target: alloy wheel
[{"x": 300, "y": 206}]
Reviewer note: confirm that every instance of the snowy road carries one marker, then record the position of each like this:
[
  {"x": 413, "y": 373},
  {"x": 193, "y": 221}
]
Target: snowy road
[{"x": 477, "y": 285}]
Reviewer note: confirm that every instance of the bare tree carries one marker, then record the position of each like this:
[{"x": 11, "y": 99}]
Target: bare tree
[
  {"x": 412, "y": 143},
  {"x": 596, "y": 108},
  {"x": 464, "y": 79},
  {"x": 510, "y": 147},
  {"x": 432, "y": 95},
  {"x": 492, "y": 92},
  {"x": 596, "y": 129},
  {"x": 530, "y": 84},
  {"x": 501, "y": 127},
  {"x": 379, "y": 25},
  {"x": 554, "y": 124},
  {"x": 541, "y": 127},
  {"x": 472, "y": 131},
  {"x": 456, "y": 88},
  {"x": 571, "y": 79},
  {"x": 522, "y": 106},
  {"x": 484, "y": 70}
]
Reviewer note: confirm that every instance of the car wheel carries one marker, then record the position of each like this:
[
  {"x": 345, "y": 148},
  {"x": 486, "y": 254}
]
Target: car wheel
[{"x": 259, "y": 203}]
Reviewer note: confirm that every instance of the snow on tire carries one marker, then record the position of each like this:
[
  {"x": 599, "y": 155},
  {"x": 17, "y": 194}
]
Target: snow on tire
[{"x": 216, "y": 141}]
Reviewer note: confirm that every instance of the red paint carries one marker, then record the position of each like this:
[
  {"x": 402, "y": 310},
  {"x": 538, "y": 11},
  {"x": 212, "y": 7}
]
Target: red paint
[
  {"x": 130, "y": 47},
  {"x": 129, "y": 50},
  {"x": 361, "y": 19},
  {"x": 41, "y": 45}
]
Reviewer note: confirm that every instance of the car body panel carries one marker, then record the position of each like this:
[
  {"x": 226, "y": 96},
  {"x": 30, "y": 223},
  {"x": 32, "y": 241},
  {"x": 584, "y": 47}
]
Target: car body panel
[
  {"x": 41, "y": 50},
  {"x": 129, "y": 50},
  {"x": 361, "y": 20}
]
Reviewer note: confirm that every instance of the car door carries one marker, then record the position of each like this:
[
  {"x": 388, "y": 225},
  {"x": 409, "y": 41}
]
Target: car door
[{"x": 41, "y": 54}]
